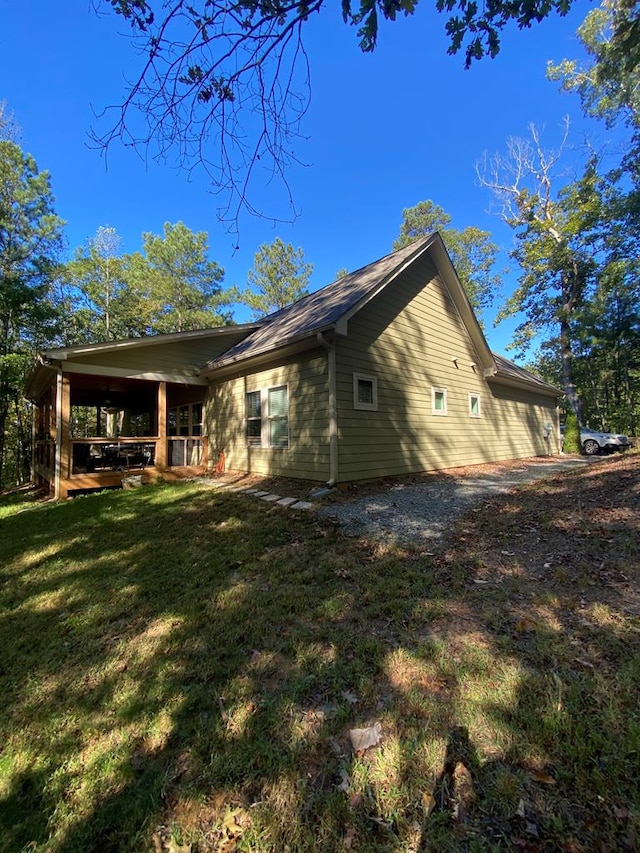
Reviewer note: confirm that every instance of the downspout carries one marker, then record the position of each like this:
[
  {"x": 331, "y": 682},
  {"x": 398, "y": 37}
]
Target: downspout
[{"x": 330, "y": 347}]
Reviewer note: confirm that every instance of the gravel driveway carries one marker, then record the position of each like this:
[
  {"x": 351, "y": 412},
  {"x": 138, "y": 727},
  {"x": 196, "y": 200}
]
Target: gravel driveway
[{"x": 421, "y": 513}]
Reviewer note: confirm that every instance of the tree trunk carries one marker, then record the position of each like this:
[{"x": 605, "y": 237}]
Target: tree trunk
[{"x": 567, "y": 370}]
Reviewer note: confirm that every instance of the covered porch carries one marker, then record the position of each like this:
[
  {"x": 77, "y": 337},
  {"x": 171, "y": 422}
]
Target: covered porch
[{"x": 91, "y": 431}]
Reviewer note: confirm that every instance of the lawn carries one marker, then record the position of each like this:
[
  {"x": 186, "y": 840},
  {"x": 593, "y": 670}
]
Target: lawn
[{"x": 181, "y": 670}]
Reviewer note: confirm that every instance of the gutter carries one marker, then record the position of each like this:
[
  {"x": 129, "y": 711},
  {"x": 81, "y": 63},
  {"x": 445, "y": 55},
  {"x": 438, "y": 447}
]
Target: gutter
[{"x": 330, "y": 346}]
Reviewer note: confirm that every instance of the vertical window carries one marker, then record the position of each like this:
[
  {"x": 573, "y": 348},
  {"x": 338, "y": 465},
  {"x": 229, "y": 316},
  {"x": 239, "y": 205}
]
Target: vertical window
[
  {"x": 474, "y": 405},
  {"x": 279, "y": 417},
  {"x": 183, "y": 420},
  {"x": 365, "y": 392},
  {"x": 439, "y": 401},
  {"x": 254, "y": 418}
]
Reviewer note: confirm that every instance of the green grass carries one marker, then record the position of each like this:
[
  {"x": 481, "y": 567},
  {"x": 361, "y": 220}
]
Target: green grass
[{"x": 180, "y": 669}]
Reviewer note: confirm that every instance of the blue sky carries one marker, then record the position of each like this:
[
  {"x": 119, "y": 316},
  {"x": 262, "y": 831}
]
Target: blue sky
[{"x": 383, "y": 132}]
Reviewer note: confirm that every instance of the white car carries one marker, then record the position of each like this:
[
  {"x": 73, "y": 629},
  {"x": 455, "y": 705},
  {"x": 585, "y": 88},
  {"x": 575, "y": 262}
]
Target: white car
[{"x": 593, "y": 441}]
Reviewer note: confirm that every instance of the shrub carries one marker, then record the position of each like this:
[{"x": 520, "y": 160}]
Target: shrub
[{"x": 571, "y": 434}]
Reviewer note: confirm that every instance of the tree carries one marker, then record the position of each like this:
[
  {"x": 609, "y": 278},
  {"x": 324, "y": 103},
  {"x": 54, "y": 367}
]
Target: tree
[
  {"x": 608, "y": 83},
  {"x": 225, "y": 85},
  {"x": 279, "y": 277},
  {"x": 557, "y": 235},
  {"x": 30, "y": 239},
  {"x": 175, "y": 284},
  {"x": 472, "y": 252},
  {"x": 98, "y": 291}
]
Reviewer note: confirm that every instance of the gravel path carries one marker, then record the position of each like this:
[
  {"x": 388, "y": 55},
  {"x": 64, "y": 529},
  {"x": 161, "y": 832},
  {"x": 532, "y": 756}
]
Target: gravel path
[{"x": 422, "y": 513}]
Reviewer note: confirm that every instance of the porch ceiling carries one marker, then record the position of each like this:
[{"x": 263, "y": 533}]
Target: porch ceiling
[{"x": 115, "y": 391}]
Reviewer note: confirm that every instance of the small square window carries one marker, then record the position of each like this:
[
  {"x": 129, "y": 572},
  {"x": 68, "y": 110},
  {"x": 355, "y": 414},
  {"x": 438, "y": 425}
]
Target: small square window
[
  {"x": 474, "y": 405},
  {"x": 439, "y": 401},
  {"x": 365, "y": 392}
]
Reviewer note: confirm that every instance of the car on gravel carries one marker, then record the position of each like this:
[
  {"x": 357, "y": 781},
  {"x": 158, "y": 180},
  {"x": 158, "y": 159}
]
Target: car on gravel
[{"x": 593, "y": 441}]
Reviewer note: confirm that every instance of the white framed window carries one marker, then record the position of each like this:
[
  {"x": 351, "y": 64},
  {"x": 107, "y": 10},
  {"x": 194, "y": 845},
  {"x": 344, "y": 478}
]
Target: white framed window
[
  {"x": 475, "y": 410},
  {"x": 253, "y": 415},
  {"x": 278, "y": 416},
  {"x": 439, "y": 401},
  {"x": 267, "y": 417},
  {"x": 365, "y": 392}
]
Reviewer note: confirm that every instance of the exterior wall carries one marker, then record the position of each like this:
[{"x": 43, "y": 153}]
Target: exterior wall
[
  {"x": 307, "y": 456},
  {"x": 411, "y": 339}
]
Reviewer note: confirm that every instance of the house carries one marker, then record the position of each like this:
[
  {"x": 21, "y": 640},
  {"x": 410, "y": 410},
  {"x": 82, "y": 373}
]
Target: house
[{"x": 384, "y": 372}]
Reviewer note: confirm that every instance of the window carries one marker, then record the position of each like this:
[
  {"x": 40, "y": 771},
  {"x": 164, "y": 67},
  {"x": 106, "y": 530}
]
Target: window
[
  {"x": 474, "y": 405},
  {"x": 254, "y": 418},
  {"x": 279, "y": 417},
  {"x": 439, "y": 401},
  {"x": 272, "y": 430},
  {"x": 365, "y": 392},
  {"x": 185, "y": 420}
]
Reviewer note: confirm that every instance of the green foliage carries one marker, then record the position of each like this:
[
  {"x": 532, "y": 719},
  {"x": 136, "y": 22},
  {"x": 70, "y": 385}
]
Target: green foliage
[
  {"x": 571, "y": 443},
  {"x": 471, "y": 250},
  {"x": 179, "y": 285},
  {"x": 608, "y": 83},
  {"x": 212, "y": 66},
  {"x": 30, "y": 239},
  {"x": 279, "y": 277},
  {"x": 476, "y": 28},
  {"x": 169, "y": 287},
  {"x": 96, "y": 286}
]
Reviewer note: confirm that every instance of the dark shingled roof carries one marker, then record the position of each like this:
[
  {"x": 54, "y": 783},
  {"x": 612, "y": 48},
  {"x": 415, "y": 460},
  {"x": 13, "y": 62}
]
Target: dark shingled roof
[
  {"x": 320, "y": 310},
  {"x": 509, "y": 370},
  {"x": 323, "y": 309}
]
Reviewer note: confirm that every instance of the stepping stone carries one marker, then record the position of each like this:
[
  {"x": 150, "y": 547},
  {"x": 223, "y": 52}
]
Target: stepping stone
[
  {"x": 257, "y": 493},
  {"x": 302, "y": 505},
  {"x": 287, "y": 501},
  {"x": 269, "y": 498}
]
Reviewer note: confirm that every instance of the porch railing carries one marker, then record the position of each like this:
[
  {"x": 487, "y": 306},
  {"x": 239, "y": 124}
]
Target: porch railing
[
  {"x": 122, "y": 454},
  {"x": 185, "y": 451}
]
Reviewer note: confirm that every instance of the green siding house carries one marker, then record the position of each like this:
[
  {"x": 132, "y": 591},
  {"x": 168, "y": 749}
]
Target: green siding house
[{"x": 384, "y": 372}]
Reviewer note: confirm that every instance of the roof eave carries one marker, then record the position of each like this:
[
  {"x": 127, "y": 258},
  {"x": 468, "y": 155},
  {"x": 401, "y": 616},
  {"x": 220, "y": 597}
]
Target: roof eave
[
  {"x": 309, "y": 340},
  {"x": 63, "y": 353},
  {"x": 540, "y": 387}
]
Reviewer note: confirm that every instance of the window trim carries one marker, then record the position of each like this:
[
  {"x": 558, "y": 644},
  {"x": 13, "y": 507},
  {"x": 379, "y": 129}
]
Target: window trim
[
  {"x": 475, "y": 395},
  {"x": 271, "y": 418},
  {"x": 266, "y": 418},
  {"x": 434, "y": 410},
  {"x": 247, "y": 419},
  {"x": 358, "y": 404}
]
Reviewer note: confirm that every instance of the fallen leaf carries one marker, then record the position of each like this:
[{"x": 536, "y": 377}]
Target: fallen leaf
[
  {"x": 428, "y": 803},
  {"x": 345, "y": 782},
  {"x": 348, "y": 838},
  {"x": 362, "y": 739},
  {"x": 350, "y": 697},
  {"x": 543, "y": 778}
]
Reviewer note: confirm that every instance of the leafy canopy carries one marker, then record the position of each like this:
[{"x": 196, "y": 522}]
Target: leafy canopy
[
  {"x": 471, "y": 250},
  {"x": 225, "y": 84},
  {"x": 279, "y": 277}
]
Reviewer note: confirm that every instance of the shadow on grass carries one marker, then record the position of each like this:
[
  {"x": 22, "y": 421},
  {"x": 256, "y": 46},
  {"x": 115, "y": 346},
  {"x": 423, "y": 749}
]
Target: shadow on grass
[{"x": 183, "y": 667}]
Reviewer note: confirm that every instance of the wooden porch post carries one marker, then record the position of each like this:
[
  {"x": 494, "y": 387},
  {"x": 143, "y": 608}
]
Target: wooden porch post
[
  {"x": 63, "y": 448},
  {"x": 161, "y": 449}
]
